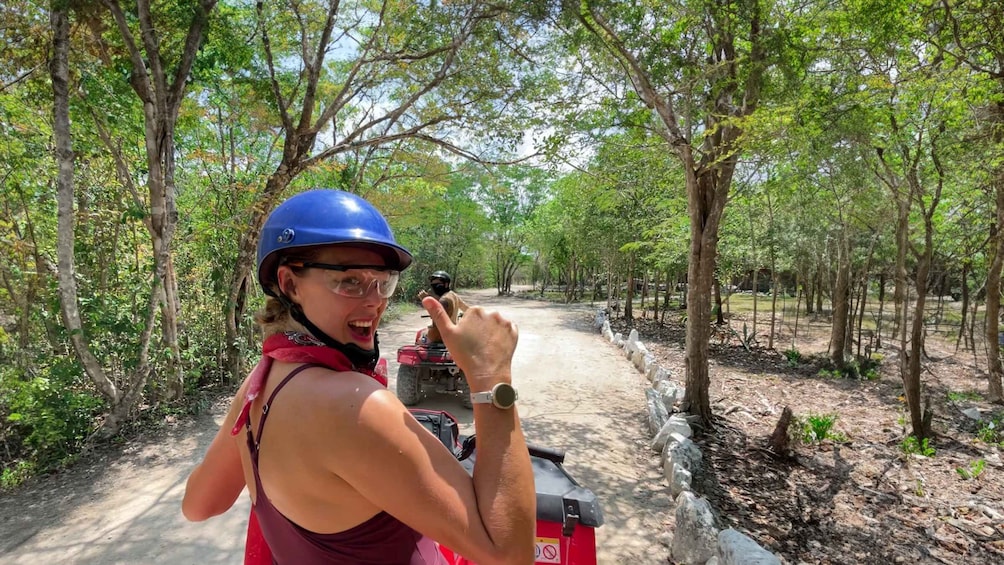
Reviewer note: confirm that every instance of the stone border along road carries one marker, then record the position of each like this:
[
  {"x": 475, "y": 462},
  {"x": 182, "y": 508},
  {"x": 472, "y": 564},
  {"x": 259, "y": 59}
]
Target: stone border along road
[
  {"x": 577, "y": 393},
  {"x": 696, "y": 538}
]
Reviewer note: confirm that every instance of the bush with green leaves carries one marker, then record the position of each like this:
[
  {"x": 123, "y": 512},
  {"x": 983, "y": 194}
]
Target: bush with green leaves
[
  {"x": 911, "y": 446},
  {"x": 991, "y": 430},
  {"x": 863, "y": 368},
  {"x": 46, "y": 416},
  {"x": 793, "y": 356},
  {"x": 814, "y": 428}
]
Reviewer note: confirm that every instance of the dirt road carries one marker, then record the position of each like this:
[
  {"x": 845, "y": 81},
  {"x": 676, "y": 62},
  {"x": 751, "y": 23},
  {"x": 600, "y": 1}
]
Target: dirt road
[{"x": 577, "y": 392}]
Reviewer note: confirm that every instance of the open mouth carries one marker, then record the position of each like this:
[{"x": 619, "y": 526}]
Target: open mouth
[{"x": 361, "y": 330}]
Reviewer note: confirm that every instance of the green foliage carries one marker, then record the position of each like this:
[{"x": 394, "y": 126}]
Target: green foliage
[
  {"x": 48, "y": 415},
  {"x": 748, "y": 339},
  {"x": 864, "y": 368},
  {"x": 972, "y": 471},
  {"x": 963, "y": 396},
  {"x": 910, "y": 446},
  {"x": 825, "y": 373},
  {"x": 815, "y": 428},
  {"x": 793, "y": 356},
  {"x": 15, "y": 474},
  {"x": 991, "y": 430}
]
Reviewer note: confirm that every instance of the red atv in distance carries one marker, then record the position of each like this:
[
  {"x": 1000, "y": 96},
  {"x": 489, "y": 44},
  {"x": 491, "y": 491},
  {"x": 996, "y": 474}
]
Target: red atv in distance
[{"x": 425, "y": 366}]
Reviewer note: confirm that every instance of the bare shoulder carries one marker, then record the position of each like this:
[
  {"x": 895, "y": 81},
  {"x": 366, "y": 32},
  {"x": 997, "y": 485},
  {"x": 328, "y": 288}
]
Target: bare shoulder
[{"x": 321, "y": 398}]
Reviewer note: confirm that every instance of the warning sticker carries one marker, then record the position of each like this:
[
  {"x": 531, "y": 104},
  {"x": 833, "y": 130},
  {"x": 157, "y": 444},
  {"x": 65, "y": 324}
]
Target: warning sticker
[{"x": 547, "y": 550}]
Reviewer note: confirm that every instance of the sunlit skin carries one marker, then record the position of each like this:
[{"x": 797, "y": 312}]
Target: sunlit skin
[{"x": 346, "y": 320}]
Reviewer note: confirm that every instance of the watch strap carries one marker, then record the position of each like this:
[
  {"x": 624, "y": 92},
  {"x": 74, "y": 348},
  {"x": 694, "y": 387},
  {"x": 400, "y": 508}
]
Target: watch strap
[
  {"x": 481, "y": 397},
  {"x": 491, "y": 396}
]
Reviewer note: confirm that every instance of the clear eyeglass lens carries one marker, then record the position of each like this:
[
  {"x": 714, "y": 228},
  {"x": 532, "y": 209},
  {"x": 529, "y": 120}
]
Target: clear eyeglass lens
[{"x": 356, "y": 283}]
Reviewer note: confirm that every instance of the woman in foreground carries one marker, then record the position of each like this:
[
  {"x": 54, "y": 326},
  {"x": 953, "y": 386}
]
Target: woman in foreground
[{"x": 337, "y": 468}]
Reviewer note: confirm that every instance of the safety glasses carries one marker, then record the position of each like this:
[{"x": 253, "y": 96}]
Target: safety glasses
[{"x": 355, "y": 281}]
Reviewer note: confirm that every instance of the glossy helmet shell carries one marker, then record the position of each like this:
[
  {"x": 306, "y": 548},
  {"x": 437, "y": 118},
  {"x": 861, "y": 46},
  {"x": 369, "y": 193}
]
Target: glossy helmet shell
[
  {"x": 441, "y": 275},
  {"x": 324, "y": 217}
]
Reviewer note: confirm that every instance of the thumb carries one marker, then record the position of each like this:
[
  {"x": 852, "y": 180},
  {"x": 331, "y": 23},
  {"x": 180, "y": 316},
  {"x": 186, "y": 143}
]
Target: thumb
[{"x": 438, "y": 314}]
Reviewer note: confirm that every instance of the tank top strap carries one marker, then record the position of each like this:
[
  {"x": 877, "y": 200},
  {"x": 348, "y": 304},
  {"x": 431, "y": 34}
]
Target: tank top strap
[{"x": 254, "y": 443}]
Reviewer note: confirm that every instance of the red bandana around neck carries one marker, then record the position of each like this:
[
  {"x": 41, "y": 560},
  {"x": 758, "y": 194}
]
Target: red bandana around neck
[{"x": 296, "y": 347}]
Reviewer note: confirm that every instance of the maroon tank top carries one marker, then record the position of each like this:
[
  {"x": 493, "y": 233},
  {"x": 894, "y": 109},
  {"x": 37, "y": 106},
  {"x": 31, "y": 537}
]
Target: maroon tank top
[{"x": 382, "y": 539}]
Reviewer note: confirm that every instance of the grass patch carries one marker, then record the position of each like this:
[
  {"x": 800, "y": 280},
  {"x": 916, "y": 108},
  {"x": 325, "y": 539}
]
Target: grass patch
[
  {"x": 964, "y": 396},
  {"x": 398, "y": 310}
]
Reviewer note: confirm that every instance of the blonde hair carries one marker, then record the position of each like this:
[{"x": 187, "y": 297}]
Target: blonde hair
[{"x": 275, "y": 317}]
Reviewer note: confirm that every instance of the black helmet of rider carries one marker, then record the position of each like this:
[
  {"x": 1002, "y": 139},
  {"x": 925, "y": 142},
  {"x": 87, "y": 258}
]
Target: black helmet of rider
[{"x": 442, "y": 275}]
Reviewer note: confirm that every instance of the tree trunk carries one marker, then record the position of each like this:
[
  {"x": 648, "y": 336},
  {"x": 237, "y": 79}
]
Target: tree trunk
[
  {"x": 644, "y": 291},
  {"x": 995, "y": 372},
  {"x": 771, "y": 249},
  {"x": 720, "y": 316},
  {"x": 857, "y": 321},
  {"x": 911, "y": 380},
  {"x": 798, "y": 297},
  {"x": 610, "y": 287},
  {"x": 879, "y": 321},
  {"x": 706, "y": 196},
  {"x": 861, "y": 311},
  {"x": 756, "y": 271},
  {"x": 809, "y": 283},
  {"x": 670, "y": 284},
  {"x": 572, "y": 281},
  {"x": 629, "y": 295},
  {"x": 773, "y": 313},
  {"x": 841, "y": 307},
  {"x": 161, "y": 96},
  {"x": 779, "y": 440},
  {"x": 819, "y": 289},
  {"x": 965, "y": 308},
  {"x": 120, "y": 403},
  {"x": 899, "y": 293},
  {"x": 655, "y": 296}
]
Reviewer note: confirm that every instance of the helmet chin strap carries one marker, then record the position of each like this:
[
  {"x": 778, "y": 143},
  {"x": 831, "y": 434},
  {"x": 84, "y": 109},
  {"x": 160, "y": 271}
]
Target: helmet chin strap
[{"x": 359, "y": 357}]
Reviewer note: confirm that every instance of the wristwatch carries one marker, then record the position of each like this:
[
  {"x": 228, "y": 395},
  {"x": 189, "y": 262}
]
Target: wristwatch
[{"x": 502, "y": 395}]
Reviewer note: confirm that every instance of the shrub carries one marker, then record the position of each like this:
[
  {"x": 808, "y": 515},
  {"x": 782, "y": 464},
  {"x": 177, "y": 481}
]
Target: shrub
[
  {"x": 793, "y": 356},
  {"x": 48, "y": 414},
  {"x": 814, "y": 428},
  {"x": 866, "y": 368},
  {"x": 972, "y": 471},
  {"x": 15, "y": 474},
  {"x": 910, "y": 446},
  {"x": 991, "y": 430}
]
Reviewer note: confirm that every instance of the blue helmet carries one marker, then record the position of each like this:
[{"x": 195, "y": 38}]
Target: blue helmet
[{"x": 324, "y": 217}]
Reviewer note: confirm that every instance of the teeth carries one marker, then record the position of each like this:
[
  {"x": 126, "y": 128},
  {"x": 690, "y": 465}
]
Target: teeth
[{"x": 361, "y": 323}]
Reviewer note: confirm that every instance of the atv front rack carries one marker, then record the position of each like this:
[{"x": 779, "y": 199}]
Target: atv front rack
[{"x": 424, "y": 355}]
